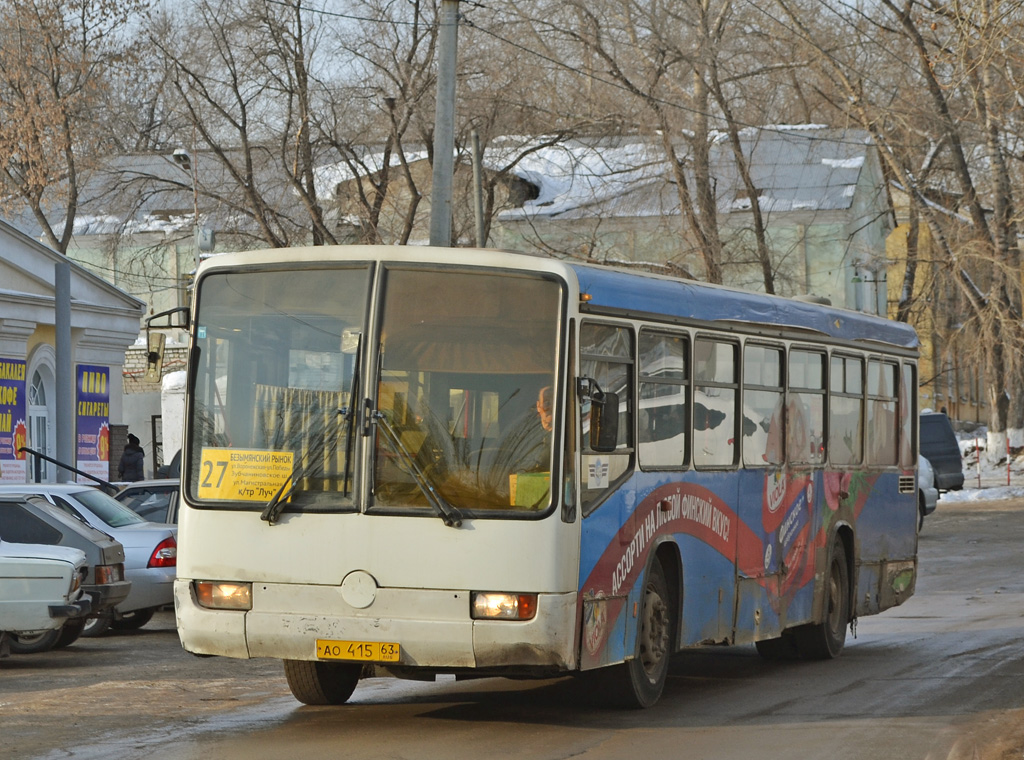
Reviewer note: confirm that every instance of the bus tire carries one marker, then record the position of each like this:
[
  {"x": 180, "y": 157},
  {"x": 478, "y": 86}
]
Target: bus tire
[
  {"x": 321, "y": 683},
  {"x": 639, "y": 682},
  {"x": 825, "y": 640}
]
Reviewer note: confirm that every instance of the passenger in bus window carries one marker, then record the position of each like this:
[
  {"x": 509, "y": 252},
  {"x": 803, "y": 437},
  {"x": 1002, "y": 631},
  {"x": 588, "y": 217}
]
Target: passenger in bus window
[{"x": 544, "y": 408}]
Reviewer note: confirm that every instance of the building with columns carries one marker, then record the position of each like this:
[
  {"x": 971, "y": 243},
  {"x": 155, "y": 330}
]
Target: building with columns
[{"x": 105, "y": 321}]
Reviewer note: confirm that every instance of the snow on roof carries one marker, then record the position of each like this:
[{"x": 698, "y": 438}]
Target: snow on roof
[{"x": 793, "y": 167}]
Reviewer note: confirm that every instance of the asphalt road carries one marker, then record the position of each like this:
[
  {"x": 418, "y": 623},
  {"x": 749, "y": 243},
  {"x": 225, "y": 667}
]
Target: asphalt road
[{"x": 940, "y": 677}]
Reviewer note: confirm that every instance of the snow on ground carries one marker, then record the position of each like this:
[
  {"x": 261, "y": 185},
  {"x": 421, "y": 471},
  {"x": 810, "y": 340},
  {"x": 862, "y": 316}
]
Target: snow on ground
[{"x": 990, "y": 481}]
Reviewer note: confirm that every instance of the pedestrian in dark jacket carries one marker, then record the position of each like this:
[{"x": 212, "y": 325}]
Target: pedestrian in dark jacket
[{"x": 133, "y": 460}]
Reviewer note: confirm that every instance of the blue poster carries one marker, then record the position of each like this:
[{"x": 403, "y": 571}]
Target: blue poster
[
  {"x": 13, "y": 427},
  {"x": 92, "y": 406}
]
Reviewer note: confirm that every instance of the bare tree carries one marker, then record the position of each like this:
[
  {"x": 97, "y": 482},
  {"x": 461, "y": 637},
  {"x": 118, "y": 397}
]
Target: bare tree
[
  {"x": 956, "y": 65},
  {"x": 57, "y": 58}
]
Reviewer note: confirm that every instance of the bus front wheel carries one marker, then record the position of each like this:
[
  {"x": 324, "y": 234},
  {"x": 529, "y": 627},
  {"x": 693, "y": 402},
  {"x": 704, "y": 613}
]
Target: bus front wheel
[
  {"x": 638, "y": 683},
  {"x": 825, "y": 640},
  {"x": 321, "y": 683}
]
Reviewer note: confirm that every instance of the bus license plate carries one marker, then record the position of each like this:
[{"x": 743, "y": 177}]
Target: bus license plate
[{"x": 360, "y": 651}]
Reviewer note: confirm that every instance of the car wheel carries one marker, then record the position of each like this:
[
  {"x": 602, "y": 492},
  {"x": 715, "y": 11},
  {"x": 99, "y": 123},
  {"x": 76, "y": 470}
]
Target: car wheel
[
  {"x": 131, "y": 621},
  {"x": 97, "y": 626},
  {"x": 70, "y": 632},
  {"x": 825, "y": 640},
  {"x": 638, "y": 682},
  {"x": 920, "y": 511},
  {"x": 321, "y": 683},
  {"x": 34, "y": 643}
]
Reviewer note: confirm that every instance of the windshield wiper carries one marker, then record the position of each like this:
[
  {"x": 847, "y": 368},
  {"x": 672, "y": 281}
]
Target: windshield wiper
[
  {"x": 276, "y": 505},
  {"x": 350, "y": 412},
  {"x": 449, "y": 514}
]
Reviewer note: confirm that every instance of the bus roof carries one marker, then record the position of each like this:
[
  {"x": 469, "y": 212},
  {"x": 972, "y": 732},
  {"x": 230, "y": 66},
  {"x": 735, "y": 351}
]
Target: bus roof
[
  {"x": 624, "y": 292},
  {"x": 617, "y": 291}
]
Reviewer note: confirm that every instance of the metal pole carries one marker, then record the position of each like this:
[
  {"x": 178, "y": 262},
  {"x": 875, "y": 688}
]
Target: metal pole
[
  {"x": 478, "y": 191},
  {"x": 65, "y": 403},
  {"x": 444, "y": 126}
]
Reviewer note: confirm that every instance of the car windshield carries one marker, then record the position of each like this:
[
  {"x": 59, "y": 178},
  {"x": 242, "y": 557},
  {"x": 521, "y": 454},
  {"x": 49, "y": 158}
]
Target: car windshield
[{"x": 106, "y": 508}]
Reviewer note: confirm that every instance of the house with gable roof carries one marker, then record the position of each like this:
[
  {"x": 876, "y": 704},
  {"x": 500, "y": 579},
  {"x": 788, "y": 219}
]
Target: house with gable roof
[
  {"x": 104, "y": 323},
  {"x": 821, "y": 191}
]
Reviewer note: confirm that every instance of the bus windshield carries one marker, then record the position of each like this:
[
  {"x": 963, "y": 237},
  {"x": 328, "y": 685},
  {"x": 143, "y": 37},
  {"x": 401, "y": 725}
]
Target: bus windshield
[
  {"x": 275, "y": 359},
  {"x": 453, "y": 410},
  {"x": 465, "y": 390}
]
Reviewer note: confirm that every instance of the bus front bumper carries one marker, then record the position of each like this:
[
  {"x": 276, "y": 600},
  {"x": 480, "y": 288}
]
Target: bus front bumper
[{"x": 432, "y": 628}]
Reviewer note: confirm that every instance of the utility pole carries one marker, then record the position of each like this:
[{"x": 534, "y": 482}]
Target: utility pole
[{"x": 444, "y": 126}]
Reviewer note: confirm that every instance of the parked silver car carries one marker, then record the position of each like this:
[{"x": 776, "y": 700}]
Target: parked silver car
[
  {"x": 155, "y": 500},
  {"x": 150, "y": 550}
]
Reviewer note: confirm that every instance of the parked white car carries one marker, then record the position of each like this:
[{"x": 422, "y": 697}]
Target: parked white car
[
  {"x": 927, "y": 491},
  {"x": 40, "y": 589},
  {"x": 150, "y": 550}
]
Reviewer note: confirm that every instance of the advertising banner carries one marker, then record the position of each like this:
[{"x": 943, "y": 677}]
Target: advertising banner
[
  {"x": 13, "y": 425},
  {"x": 92, "y": 405}
]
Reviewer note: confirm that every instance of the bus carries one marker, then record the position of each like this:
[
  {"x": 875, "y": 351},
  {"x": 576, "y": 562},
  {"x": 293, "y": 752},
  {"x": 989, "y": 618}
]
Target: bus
[{"x": 484, "y": 463}]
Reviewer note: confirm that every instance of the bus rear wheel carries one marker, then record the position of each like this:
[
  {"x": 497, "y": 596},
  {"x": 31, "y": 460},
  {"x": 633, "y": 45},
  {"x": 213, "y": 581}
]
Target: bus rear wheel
[
  {"x": 639, "y": 682},
  {"x": 825, "y": 640},
  {"x": 321, "y": 683}
]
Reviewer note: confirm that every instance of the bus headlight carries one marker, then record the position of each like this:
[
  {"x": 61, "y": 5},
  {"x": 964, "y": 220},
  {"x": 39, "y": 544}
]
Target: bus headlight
[
  {"x": 221, "y": 595},
  {"x": 491, "y": 605}
]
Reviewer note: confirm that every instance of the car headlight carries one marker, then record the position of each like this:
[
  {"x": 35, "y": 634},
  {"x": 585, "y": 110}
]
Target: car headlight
[
  {"x": 223, "y": 595},
  {"x": 492, "y": 605}
]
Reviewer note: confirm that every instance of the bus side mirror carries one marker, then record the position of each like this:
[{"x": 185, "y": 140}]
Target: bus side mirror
[
  {"x": 604, "y": 422},
  {"x": 154, "y": 356},
  {"x": 176, "y": 318}
]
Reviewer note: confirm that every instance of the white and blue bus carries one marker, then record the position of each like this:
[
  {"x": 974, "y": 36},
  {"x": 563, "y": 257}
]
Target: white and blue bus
[{"x": 485, "y": 463}]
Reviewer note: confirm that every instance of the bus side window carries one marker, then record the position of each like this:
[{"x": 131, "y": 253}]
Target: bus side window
[
  {"x": 606, "y": 357},
  {"x": 845, "y": 410},
  {"x": 883, "y": 432},
  {"x": 805, "y": 408},
  {"x": 662, "y": 420},
  {"x": 715, "y": 395},
  {"x": 908, "y": 416},
  {"x": 763, "y": 394}
]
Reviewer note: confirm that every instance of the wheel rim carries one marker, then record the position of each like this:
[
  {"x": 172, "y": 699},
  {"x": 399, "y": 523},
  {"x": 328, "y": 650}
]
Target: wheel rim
[{"x": 654, "y": 633}]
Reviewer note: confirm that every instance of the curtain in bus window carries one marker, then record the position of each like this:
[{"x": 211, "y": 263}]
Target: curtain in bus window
[
  {"x": 883, "y": 430},
  {"x": 306, "y": 422}
]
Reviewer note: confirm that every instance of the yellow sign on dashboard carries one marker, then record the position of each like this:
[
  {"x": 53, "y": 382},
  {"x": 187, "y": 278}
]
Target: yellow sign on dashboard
[{"x": 243, "y": 474}]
